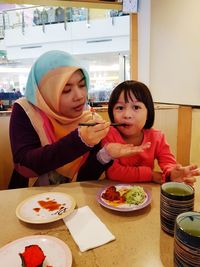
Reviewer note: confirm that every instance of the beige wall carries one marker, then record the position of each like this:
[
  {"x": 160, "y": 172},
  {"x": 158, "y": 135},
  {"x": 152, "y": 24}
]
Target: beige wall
[
  {"x": 166, "y": 119},
  {"x": 174, "y": 51}
]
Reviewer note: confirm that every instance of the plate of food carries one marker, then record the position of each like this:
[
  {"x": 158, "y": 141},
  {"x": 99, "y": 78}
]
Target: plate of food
[
  {"x": 124, "y": 197},
  {"x": 36, "y": 250},
  {"x": 45, "y": 208}
]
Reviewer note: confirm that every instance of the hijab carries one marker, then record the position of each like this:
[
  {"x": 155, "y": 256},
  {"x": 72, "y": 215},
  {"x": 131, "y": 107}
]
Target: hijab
[{"x": 46, "y": 81}]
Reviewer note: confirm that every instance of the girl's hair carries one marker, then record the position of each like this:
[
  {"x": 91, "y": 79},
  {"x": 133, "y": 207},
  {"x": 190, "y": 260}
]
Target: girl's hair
[{"x": 141, "y": 93}]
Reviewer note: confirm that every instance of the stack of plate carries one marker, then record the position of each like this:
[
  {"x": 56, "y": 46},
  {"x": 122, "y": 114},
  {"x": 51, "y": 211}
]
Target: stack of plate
[
  {"x": 172, "y": 205},
  {"x": 187, "y": 240}
]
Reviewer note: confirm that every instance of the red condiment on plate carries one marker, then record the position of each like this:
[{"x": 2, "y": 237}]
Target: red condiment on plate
[
  {"x": 50, "y": 205},
  {"x": 32, "y": 256}
]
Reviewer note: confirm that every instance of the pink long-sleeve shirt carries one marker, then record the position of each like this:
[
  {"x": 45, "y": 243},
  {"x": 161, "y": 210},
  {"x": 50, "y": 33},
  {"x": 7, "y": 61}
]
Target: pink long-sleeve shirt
[{"x": 139, "y": 167}]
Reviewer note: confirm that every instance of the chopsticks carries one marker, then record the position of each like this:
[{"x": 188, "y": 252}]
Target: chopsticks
[{"x": 95, "y": 123}]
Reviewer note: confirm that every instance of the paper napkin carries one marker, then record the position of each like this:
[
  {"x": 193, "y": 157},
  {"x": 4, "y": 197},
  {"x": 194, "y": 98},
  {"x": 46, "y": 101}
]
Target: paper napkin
[{"x": 87, "y": 229}]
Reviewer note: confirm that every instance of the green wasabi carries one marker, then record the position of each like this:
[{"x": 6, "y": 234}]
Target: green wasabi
[{"x": 135, "y": 195}]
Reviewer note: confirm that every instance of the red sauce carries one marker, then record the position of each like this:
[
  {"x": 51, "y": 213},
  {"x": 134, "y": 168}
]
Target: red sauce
[
  {"x": 50, "y": 205},
  {"x": 36, "y": 209}
]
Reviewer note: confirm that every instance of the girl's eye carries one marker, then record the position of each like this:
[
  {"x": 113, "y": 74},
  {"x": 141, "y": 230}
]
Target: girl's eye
[
  {"x": 135, "y": 107},
  {"x": 119, "y": 108}
]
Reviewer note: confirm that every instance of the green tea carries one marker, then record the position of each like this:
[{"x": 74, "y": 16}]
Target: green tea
[
  {"x": 193, "y": 232},
  {"x": 178, "y": 191}
]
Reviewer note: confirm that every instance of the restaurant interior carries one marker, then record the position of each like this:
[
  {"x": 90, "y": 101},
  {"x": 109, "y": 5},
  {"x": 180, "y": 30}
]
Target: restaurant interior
[{"x": 152, "y": 41}]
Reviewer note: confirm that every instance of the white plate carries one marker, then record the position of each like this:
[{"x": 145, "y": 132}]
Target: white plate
[
  {"x": 56, "y": 251},
  {"x": 31, "y": 210}
]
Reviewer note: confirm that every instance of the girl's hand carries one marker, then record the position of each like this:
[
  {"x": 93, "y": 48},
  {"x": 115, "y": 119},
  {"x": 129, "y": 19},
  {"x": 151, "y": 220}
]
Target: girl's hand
[
  {"x": 184, "y": 174},
  {"x": 157, "y": 177},
  {"x": 92, "y": 135},
  {"x": 117, "y": 150}
]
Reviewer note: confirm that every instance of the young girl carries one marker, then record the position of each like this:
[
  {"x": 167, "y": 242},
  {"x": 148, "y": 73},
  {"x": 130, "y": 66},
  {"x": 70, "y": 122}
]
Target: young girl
[
  {"x": 131, "y": 104},
  {"x": 46, "y": 140}
]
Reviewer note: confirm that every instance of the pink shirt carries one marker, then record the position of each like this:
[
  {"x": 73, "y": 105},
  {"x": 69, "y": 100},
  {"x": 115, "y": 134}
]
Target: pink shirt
[{"x": 139, "y": 167}]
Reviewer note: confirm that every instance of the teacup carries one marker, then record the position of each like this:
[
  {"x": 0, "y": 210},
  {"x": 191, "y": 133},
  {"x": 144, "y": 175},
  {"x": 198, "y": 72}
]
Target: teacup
[
  {"x": 175, "y": 198},
  {"x": 187, "y": 239}
]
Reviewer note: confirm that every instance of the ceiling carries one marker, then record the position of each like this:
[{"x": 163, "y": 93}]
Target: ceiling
[{"x": 98, "y": 59}]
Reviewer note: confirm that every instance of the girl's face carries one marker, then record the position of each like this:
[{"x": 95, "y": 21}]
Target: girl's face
[
  {"x": 74, "y": 95},
  {"x": 133, "y": 113}
]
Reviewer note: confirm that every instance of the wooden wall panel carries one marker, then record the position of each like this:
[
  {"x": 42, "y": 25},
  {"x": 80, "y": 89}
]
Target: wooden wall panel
[
  {"x": 195, "y": 137},
  {"x": 134, "y": 46},
  {"x": 6, "y": 164}
]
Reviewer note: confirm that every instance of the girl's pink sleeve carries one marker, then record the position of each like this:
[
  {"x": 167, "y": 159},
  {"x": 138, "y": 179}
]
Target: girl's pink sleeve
[
  {"x": 118, "y": 172},
  {"x": 166, "y": 159}
]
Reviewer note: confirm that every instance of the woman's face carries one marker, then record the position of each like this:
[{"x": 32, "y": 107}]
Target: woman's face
[
  {"x": 133, "y": 114},
  {"x": 74, "y": 95}
]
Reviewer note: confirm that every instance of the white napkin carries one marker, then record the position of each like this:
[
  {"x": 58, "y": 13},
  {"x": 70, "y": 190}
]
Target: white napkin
[{"x": 87, "y": 229}]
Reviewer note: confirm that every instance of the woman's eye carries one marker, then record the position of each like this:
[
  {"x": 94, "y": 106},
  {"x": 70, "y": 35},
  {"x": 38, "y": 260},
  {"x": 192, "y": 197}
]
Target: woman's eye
[
  {"x": 66, "y": 90},
  {"x": 82, "y": 85}
]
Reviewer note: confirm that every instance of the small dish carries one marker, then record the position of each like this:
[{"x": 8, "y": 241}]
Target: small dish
[
  {"x": 123, "y": 207},
  {"x": 45, "y": 208}
]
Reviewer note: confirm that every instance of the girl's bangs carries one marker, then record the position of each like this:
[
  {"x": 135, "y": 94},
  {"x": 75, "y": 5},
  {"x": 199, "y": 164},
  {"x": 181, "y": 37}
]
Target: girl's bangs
[{"x": 135, "y": 92}]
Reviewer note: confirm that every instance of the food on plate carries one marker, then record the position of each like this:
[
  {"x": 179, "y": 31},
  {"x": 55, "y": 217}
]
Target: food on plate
[
  {"x": 50, "y": 205},
  {"x": 33, "y": 256},
  {"x": 135, "y": 195},
  {"x": 116, "y": 196},
  {"x": 112, "y": 194}
]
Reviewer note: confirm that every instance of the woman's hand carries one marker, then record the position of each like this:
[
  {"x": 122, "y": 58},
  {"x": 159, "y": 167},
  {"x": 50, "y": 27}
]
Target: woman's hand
[
  {"x": 117, "y": 150},
  {"x": 184, "y": 174},
  {"x": 92, "y": 135}
]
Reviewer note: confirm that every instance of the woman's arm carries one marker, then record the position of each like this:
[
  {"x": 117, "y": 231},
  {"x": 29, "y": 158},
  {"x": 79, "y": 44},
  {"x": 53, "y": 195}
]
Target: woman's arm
[
  {"x": 92, "y": 168},
  {"x": 28, "y": 154}
]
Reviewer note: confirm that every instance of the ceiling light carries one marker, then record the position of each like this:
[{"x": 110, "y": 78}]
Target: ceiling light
[
  {"x": 94, "y": 68},
  {"x": 14, "y": 70}
]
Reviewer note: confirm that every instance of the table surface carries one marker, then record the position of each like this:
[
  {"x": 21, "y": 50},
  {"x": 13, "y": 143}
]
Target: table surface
[{"x": 140, "y": 241}]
